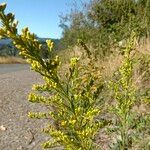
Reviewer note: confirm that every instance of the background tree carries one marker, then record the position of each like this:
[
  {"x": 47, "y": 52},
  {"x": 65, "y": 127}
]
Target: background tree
[{"x": 103, "y": 23}]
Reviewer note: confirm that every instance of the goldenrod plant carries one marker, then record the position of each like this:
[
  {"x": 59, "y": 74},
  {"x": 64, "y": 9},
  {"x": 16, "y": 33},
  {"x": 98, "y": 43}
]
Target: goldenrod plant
[
  {"x": 124, "y": 96},
  {"x": 73, "y": 98}
]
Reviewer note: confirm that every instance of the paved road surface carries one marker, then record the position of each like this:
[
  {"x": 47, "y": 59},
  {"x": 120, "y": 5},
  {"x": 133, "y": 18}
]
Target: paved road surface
[
  {"x": 17, "y": 131},
  {"x": 7, "y": 68}
]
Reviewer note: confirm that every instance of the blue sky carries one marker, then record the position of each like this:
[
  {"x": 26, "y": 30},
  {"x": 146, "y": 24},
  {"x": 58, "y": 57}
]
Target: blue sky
[{"x": 41, "y": 16}]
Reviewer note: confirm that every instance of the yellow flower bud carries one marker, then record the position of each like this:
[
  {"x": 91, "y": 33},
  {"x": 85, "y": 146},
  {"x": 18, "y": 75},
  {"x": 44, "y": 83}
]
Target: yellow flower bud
[
  {"x": 49, "y": 44},
  {"x": 15, "y": 23},
  {"x": 2, "y": 6},
  {"x": 8, "y": 32},
  {"x": 63, "y": 123}
]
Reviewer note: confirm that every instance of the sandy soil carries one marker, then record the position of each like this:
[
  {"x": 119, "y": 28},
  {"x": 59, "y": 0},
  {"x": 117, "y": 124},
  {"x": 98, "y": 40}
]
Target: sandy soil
[{"x": 17, "y": 131}]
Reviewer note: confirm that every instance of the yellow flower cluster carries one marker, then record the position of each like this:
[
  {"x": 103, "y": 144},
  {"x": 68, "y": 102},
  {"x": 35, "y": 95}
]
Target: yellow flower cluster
[
  {"x": 38, "y": 115},
  {"x": 36, "y": 98},
  {"x": 49, "y": 44},
  {"x": 74, "y": 61},
  {"x": 72, "y": 99},
  {"x": 2, "y": 6}
]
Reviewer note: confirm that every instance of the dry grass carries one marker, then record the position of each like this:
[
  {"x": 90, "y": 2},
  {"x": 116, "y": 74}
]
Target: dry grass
[
  {"x": 110, "y": 64},
  {"x": 65, "y": 55},
  {"x": 11, "y": 60},
  {"x": 144, "y": 46}
]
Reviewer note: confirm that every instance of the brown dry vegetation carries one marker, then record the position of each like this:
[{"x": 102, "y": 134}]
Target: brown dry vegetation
[
  {"x": 11, "y": 60},
  {"x": 110, "y": 64}
]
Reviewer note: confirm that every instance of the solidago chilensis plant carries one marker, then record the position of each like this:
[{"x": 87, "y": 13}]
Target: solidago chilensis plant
[
  {"x": 73, "y": 98},
  {"x": 124, "y": 95}
]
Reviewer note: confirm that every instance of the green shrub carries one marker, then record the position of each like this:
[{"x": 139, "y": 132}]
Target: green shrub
[
  {"x": 124, "y": 96},
  {"x": 73, "y": 99},
  {"x": 104, "y": 23}
]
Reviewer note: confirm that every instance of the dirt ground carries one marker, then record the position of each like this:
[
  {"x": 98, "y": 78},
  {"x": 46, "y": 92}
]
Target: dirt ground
[{"x": 17, "y": 131}]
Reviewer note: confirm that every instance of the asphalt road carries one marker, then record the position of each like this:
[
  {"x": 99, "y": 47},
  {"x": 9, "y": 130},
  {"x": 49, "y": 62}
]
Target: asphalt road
[
  {"x": 7, "y": 68},
  {"x": 17, "y": 130}
]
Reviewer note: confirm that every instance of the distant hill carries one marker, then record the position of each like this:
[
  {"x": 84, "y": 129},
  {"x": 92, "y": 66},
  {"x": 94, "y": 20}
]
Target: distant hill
[
  {"x": 44, "y": 39},
  {"x": 7, "y": 48},
  {"x": 5, "y": 42},
  {"x": 56, "y": 42},
  {"x": 9, "y": 41}
]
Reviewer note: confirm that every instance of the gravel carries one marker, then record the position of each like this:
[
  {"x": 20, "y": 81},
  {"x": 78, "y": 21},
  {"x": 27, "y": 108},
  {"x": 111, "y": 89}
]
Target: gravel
[
  {"x": 17, "y": 131},
  {"x": 7, "y": 68}
]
